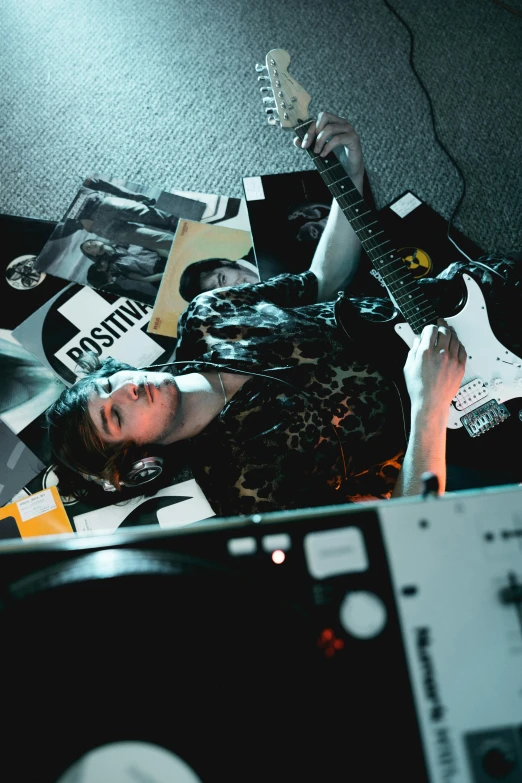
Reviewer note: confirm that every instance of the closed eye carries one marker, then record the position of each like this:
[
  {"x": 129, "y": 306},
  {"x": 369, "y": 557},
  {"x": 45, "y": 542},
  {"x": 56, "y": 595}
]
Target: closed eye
[{"x": 107, "y": 388}]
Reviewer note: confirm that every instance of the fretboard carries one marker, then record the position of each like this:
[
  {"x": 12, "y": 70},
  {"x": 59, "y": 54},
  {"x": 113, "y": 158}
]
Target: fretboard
[{"x": 399, "y": 281}]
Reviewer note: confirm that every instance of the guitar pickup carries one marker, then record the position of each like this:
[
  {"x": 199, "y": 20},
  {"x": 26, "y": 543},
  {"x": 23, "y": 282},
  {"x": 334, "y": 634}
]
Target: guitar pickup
[
  {"x": 484, "y": 418},
  {"x": 469, "y": 393}
]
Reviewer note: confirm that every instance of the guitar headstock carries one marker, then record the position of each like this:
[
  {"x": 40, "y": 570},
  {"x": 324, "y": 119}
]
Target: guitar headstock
[{"x": 288, "y": 104}]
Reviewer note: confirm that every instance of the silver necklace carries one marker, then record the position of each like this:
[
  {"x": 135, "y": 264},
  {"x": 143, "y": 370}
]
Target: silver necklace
[{"x": 223, "y": 387}]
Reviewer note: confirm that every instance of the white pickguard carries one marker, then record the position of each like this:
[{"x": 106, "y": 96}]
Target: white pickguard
[{"x": 498, "y": 370}]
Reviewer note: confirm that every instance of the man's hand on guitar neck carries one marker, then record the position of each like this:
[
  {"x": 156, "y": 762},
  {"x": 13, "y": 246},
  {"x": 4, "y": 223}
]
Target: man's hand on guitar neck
[
  {"x": 337, "y": 254},
  {"x": 330, "y": 133},
  {"x": 433, "y": 373}
]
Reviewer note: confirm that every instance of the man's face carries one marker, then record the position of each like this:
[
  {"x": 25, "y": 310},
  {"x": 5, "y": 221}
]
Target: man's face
[
  {"x": 226, "y": 276},
  {"x": 133, "y": 405}
]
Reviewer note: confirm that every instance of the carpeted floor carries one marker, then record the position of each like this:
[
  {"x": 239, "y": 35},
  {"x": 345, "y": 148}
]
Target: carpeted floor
[{"x": 165, "y": 92}]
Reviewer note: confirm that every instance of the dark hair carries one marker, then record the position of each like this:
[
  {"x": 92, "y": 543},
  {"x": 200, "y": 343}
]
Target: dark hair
[
  {"x": 190, "y": 280},
  {"x": 97, "y": 277},
  {"x": 73, "y": 437},
  {"x": 85, "y": 253},
  {"x": 82, "y": 248},
  {"x": 80, "y": 452}
]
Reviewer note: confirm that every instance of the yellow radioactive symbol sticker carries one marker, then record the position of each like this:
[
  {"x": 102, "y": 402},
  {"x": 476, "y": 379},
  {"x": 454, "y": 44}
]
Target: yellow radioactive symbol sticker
[{"x": 418, "y": 260}]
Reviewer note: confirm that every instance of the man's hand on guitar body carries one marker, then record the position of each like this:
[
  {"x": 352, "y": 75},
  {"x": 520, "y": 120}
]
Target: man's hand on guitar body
[
  {"x": 434, "y": 369},
  {"x": 433, "y": 373}
]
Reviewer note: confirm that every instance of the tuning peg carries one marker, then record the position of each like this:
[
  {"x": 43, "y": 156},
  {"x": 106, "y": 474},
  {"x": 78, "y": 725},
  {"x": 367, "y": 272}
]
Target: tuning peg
[
  {"x": 270, "y": 110},
  {"x": 261, "y": 68},
  {"x": 266, "y": 89},
  {"x": 269, "y": 99},
  {"x": 273, "y": 121},
  {"x": 263, "y": 78}
]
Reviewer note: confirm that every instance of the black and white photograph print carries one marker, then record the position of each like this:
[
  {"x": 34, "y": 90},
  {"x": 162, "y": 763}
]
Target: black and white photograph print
[{"x": 116, "y": 237}]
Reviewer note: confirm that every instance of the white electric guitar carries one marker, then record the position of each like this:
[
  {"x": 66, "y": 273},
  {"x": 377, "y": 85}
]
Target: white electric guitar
[{"x": 493, "y": 376}]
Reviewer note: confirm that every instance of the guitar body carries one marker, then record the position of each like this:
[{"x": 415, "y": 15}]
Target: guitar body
[
  {"x": 487, "y": 459},
  {"x": 485, "y": 417}
]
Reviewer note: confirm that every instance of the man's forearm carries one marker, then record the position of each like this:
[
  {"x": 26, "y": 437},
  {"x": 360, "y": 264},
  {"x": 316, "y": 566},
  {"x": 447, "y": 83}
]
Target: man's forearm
[
  {"x": 426, "y": 452},
  {"x": 337, "y": 254}
]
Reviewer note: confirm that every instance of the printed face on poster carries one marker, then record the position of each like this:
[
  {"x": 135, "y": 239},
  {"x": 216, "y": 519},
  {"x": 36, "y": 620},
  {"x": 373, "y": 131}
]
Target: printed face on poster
[{"x": 202, "y": 257}]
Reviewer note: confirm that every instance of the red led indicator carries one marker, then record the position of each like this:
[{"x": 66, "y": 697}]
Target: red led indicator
[
  {"x": 278, "y": 556},
  {"x": 329, "y": 643}
]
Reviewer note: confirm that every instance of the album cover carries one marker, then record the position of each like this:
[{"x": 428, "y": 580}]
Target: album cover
[
  {"x": 23, "y": 289},
  {"x": 420, "y": 234},
  {"x": 172, "y": 507},
  {"x": 182, "y": 503},
  {"x": 79, "y": 319},
  {"x": 202, "y": 257},
  {"x": 116, "y": 236},
  {"x": 221, "y": 210},
  {"x": 28, "y": 387},
  {"x": 41, "y": 514},
  {"x": 288, "y": 212},
  {"x": 18, "y": 464}
]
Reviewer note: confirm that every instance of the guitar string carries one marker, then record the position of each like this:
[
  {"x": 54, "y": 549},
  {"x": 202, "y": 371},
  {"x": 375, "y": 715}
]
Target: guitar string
[{"x": 469, "y": 374}]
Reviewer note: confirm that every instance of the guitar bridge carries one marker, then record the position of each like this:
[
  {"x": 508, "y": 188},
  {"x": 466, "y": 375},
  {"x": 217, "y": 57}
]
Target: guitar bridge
[{"x": 484, "y": 418}]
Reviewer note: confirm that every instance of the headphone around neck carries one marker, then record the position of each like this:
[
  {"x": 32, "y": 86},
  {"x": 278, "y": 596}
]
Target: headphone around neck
[{"x": 144, "y": 470}]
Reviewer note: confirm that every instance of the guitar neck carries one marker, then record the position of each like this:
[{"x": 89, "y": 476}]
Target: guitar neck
[{"x": 399, "y": 281}]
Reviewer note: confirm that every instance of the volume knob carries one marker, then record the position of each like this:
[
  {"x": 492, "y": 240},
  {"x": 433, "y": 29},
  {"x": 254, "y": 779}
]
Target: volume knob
[{"x": 362, "y": 614}]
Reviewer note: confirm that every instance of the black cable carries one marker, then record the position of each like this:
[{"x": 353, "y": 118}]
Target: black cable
[
  {"x": 432, "y": 113},
  {"x": 507, "y": 8}
]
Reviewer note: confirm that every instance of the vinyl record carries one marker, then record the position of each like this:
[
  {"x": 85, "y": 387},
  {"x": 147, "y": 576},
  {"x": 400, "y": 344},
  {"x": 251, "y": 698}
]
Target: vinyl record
[
  {"x": 168, "y": 659},
  {"x": 22, "y": 286}
]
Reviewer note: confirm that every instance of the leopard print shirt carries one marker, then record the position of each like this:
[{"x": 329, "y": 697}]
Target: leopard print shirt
[{"x": 313, "y": 426}]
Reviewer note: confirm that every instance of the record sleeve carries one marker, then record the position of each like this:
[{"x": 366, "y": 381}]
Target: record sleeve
[
  {"x": 41, "y": 514},
  {"x": 288, "y": 212},
  {"x": 421, "y": 236},
  {"x": 221, "y": 210},
  {"x": 116, "y": 236},
  {"x": 23, "y": 289},
  {"x": 177, "y": 505},
  {"x": 18, "y": 464},
  {"x": 28, "y": 388},
  {"x": 195, "y": 246},
  {"x": 79, "y": 319}
]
